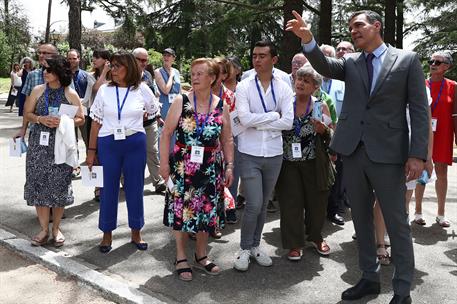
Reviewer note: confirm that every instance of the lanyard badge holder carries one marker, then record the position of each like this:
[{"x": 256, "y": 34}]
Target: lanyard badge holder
[
  {"x": 435, "y": 104},
  {"x": 119, "y": 130},
  {"x": 197, "y": 152}
]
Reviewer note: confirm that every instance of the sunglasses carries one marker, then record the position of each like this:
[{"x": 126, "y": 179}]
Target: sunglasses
[
  {"x": 141, "y": 60},
  {"x": 48, "y": 69},
  {"x": 436, "y": 62}
]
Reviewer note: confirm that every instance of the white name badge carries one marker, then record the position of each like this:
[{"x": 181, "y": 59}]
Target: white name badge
[
  {"x": 92, "y": 178},
  {"x": 119, "y": 133},
  {"x": 171, "y": 97},
  {"x": 296, "y": 150},
  {"x": 44, "y": 138},
  {"x": 434, "y": 124},
  {"x": 237, "y": 128},
  {"x": 196, "y": 154}
]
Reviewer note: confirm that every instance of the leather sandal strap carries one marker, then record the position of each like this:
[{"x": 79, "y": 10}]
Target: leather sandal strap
[
  {"x": 180, "y": 261},
  {"x": 210, "y": 266},
  {"x": 200, "y": 259},
  {"x": 182, "y": 270}
]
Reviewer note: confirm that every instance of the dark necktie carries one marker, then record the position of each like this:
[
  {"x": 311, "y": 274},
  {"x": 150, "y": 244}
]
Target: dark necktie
[{"x": 370, "y": 70}]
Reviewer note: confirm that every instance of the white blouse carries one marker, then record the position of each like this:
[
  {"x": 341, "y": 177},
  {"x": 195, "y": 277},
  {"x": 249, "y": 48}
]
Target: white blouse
[{"x": 104, "y": 110}]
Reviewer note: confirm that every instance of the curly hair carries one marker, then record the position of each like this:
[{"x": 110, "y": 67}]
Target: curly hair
[{"x": 59, "y": 66}]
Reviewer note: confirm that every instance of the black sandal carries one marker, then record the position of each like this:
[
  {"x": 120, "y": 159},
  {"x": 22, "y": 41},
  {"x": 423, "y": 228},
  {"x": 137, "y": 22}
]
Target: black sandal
[
  {"x": 207, "y": 268},
  {"x": 183, "y": 270}
]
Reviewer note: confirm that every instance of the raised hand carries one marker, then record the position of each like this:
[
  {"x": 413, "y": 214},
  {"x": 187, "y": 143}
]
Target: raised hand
[{"x": 300, "y": 28}]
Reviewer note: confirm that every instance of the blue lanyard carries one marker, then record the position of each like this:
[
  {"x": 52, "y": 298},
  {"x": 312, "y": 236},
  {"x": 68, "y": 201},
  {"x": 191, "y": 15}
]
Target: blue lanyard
[
  {"x": 220, "y": 93},
  {"x": 298, "y": 125},
  {"x": 199, "y": 129},
  {"x": 434, "y": 104},
  {"x": 329, "y": 87},
  {"x": 260, "y": 93},
  {"x": 76, "y": 79},
  {"x": 119, "y": 106},
  {"x": 46, "y": 98}
]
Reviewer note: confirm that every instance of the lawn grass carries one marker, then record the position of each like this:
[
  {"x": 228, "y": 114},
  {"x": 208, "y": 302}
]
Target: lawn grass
[{"x": 5, "y": 85}]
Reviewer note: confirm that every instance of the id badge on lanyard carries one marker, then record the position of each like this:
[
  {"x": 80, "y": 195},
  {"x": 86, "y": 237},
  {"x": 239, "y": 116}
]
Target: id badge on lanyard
[
  {"x": 434, "y": 124},
  {"x": 296, "y": 150},
  {"x": 44, "y": 138},
  {"x": 196, "y": 154},
  {"x": 119, "y": 130}
]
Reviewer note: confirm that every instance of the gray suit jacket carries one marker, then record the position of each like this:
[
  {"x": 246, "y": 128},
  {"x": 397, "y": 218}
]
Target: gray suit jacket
[{"x": 379, "y": 120}]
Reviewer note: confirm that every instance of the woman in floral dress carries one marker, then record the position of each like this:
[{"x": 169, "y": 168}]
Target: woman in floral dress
[{"x": 194, "y": 171}]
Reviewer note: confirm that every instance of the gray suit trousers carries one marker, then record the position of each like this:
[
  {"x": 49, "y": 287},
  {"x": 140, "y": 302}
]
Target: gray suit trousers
[{"x": 364, "y": 179}]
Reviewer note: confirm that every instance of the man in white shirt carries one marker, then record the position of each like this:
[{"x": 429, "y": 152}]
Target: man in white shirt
[
  {"x": 150, "y": 124},
  {"x": 265, "y": 107}
]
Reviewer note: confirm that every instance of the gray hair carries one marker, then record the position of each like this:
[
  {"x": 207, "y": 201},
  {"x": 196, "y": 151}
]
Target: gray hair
[
  {"x": 446, "y": 55},
  {"x": 27, "y": 59},
  {"x": 330, "y": 48},
  {"x": 137, "y": 51},
  {"x": 307, "y": 70}
]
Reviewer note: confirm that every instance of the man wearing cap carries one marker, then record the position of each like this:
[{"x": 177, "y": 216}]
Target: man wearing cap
[
  {"x": 168, "y": 81},
  {"x": 150, "y": 126}
]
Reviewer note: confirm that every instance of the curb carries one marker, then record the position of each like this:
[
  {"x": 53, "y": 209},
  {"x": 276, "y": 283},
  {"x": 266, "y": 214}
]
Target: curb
[{"x": 111, "y": 289}]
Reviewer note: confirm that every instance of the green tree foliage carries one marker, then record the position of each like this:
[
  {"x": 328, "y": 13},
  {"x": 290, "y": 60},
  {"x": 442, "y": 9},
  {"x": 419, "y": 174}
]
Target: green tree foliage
[
  {"x": 438, "y": 25},
  {"x": 14, "y": 26}
]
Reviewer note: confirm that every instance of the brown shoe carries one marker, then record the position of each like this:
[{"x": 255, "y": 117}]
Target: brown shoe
[{"x": 321, "y": 247}]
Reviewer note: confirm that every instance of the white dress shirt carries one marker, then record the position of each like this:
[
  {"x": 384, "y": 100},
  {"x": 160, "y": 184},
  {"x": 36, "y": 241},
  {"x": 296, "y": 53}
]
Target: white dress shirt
[
  {"x": 263, "y": 135},
  {"x": 104, "y": 109},
  {"x": 280, "y": 73}
]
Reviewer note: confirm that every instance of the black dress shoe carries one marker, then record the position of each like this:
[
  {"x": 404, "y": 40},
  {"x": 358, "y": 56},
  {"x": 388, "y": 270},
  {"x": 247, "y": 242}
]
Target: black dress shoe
[
  {"x": 362, "y": 288},
  {"x": 401, "y": 300},
  {"x": 336, "y": 219}
]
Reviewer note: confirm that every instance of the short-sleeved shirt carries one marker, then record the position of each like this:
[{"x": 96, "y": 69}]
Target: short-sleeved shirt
[
  {"x": 34, "y": 78},
  {"x": 104, "y": 110}
]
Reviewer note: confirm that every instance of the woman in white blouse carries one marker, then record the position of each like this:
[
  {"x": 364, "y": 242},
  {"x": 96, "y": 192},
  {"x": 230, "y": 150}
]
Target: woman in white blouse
[{"x": 118, "y": 140}]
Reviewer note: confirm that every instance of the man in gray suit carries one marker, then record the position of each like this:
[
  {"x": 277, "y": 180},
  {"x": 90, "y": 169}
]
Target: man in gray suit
[{"x": 372, "y": 137}]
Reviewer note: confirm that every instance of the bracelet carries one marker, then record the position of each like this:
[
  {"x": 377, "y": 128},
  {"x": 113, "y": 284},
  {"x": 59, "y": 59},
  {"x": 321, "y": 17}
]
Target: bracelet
[
  {"x": 454, "y": 115},
  {"x": 229, "y": 164},
  {"x": 91, "y": 149}
]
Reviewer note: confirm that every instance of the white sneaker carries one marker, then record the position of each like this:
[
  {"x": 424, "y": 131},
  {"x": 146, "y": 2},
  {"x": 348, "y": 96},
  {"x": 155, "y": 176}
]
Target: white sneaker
[
  {"x": 261, "y": 257},
  {"x": 242, "y": 260}
]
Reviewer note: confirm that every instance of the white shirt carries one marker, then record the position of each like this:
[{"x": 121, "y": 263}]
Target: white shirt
[
  {"x": 277, "y": 72},
  {"x": 17, "y": 81},
  {"x": 263, "y": 135},
  {"x": 104, "y": 109}
]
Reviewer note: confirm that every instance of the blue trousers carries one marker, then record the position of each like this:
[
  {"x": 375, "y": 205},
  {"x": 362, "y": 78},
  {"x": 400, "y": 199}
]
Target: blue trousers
[{"x": 128, "y": 157}]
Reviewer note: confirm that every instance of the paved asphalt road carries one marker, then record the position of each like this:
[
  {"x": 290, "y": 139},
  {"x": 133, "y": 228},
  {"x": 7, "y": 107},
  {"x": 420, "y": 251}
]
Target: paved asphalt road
[{"x": 314, "y": 279}]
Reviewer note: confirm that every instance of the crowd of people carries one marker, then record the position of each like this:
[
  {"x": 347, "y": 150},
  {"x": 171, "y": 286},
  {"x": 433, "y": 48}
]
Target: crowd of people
[{"x": 343, "y": 130}]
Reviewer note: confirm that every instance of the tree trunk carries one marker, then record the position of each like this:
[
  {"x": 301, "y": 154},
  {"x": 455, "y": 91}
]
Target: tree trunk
[
  {"x": 325, "y": 22},
  {"x": 290, "y": 44},
  {"x": 390, "y": 20},
  {"x": 7, "y": 17},
  {"x": 74, "y": 24},
  {"x": 48, "y": 22},
  {"x": 400, "y": 7}
]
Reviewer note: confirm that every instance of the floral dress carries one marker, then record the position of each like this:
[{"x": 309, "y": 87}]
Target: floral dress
[
  {"x": 46, "y": 184},
  {"x": 196, "y": 202}
]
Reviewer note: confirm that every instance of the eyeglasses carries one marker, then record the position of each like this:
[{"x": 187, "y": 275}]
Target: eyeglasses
[
  {"x": 436, "y": 62},
  {"x": 343, "y": 49},
  {"x": 141, "y": 60},
  {"x": 115, "y": 66},
  {"x": 298, "y": 63}
]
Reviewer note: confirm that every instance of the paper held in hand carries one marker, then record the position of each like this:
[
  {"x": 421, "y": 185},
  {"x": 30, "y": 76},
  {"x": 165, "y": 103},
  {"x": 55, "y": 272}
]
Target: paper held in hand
[
  {"x": 92, "y": 178},
  {"x": 69, "y": 110},
  {"x": 15, "y": 147}
]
